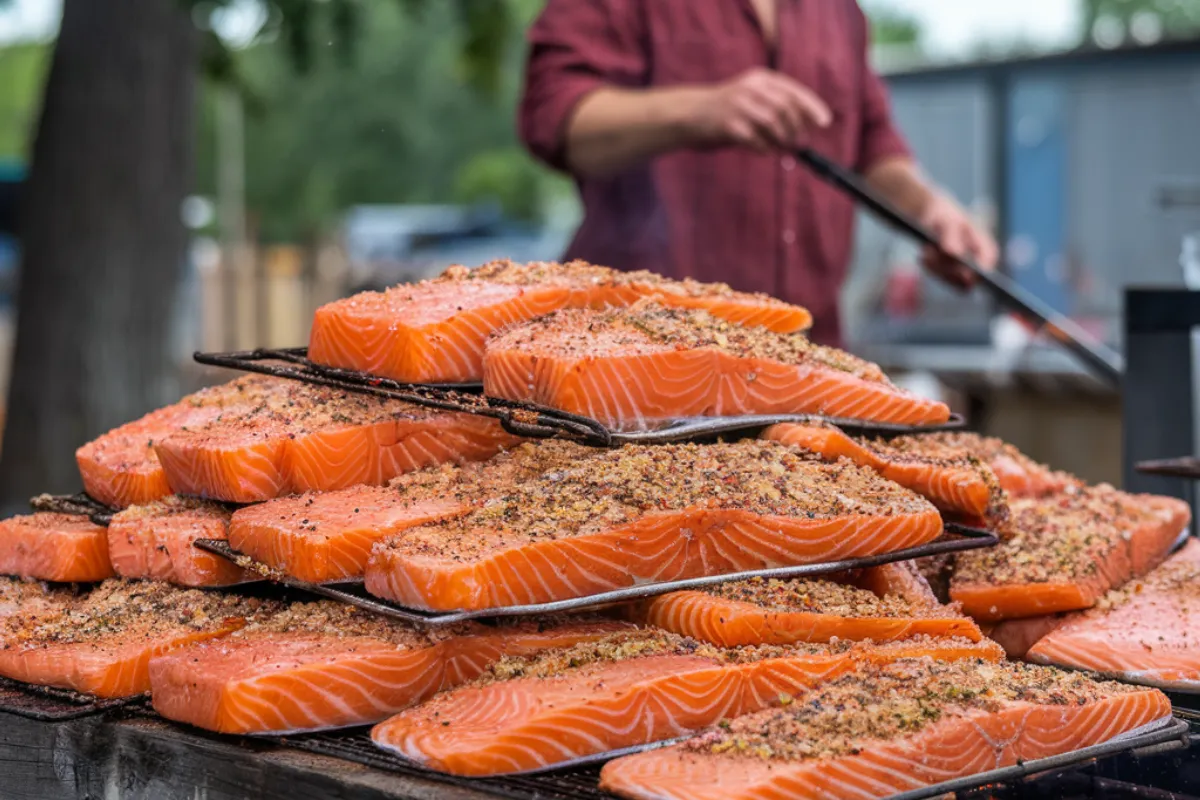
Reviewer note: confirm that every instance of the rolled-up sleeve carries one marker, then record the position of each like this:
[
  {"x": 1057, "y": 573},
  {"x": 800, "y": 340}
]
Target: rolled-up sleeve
[
  {"x": 576, "y": 47},
  {"x": 881, "y": 139}
]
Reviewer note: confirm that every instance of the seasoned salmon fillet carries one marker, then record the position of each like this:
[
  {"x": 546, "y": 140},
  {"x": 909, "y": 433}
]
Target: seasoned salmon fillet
[
  {"x": 54, "y": 547},
  {"x": 309, "y": 438},
  {"x": 1066, "y": 551},
  {"x": 781, "y": 612},
  {"x": 1142, "y": 632},
  {"x": 157, "y": 541},
  {"x": 434, "y": 331},
  {"x": 121, "y": 468},
  {"x": 324, "y": 665},
  {"x": 102, "y": 642},
  {"x": 625, "y": 690},
  {"x": 633, "y": 367},
  {"x": 891, "y": 729},
  {"x": 642, "y": 514}
]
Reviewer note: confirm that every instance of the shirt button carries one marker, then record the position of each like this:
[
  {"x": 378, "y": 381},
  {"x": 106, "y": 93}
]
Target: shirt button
[
  {"x": 788, "y": 163},
  {"x": 789, "y": 236}
]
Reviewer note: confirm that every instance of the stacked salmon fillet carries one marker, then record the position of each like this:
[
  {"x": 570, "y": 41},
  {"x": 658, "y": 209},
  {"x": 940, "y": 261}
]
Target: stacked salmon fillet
[{"x": 852, "y": 684}]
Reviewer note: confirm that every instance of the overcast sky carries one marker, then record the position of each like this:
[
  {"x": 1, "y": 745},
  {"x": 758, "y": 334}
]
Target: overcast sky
[{"x": 951, "y": 26}]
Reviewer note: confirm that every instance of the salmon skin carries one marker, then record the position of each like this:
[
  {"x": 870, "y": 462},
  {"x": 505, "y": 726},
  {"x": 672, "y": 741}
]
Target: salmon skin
[
  {"x": 54, "y": 547},
  {"x": 943, "y": 467},
  {"x": 775, "y": 612},
  {"x": 157, "y": 541},
  {"x": 434, "y": 331},
  {"x": 121, "y": 468},
  {"x": 607, "y": 519},
  {"x": 891, "y": 729},
  {"x": 636, "y": 367},
  {"x": 303, "y": 438},
  {"x": 327, "y": 536},
  {"x": 1067, "y": 550},
  {"x": 102, "y": 642},
  {"x": 626, "y": 690},
  {"x": 324, "y": 665},
  {"x": 1141, "y": 633}
]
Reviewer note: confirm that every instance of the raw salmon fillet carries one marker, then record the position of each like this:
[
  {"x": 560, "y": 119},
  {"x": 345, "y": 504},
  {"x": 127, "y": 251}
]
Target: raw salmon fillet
[
  {"x": 102, "y": 643},
  {"x": 1066, "y": 551},
  {"x": 891, "y": 729},
  {"x": 632, "y": 367},
  {"x": 310, "y": 438},
  {"x": 953, "y": 477},
  {"x": 54, "y": 547},
  {"x": 121, "y": 469},
  {"x": 157, "y": 541},
  {"x": 767, "y": 611},
  {"x": 1016, "y": 636},
  {"x": 434, "y": 331},
  {"x": 325, "y": 665},
  {"x": 626, "y": 690},
  {"x": 327, "y": 536},
  {"x": 1143, "y": 632},
  {"x": 613, "y": 518},
  {"x": 23, "y": 600}
]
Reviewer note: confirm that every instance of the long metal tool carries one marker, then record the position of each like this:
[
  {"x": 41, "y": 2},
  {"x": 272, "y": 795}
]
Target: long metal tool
[{"x": 1106, "y": 363}]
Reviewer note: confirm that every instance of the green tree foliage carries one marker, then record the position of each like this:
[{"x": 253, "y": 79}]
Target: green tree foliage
[
  {"x": 892, "y": 27},
  {"x": 1178, "y": 17},
  {"x": 22, "y": 75}
]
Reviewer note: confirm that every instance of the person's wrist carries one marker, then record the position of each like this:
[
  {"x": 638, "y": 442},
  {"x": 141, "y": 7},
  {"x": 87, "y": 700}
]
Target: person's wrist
[{"x": 687, "y": 117}]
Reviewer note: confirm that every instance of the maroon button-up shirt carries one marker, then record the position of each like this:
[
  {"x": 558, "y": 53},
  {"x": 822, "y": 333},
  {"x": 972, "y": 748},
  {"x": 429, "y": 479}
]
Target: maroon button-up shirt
[{"x": 758, "y": 222}]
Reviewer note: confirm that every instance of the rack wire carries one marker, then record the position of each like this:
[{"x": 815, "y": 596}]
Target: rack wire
[
  {"x": 77, "y": 504},
  {"x": 1187, "y": 467},
  {"x": 959, "y": 538},
  {"x": 526, "y": 419},
  {"x": 50, "y": 704}
]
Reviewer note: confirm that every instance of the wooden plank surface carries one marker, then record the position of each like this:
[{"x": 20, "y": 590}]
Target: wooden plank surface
[{"x": 107, "y": 758}]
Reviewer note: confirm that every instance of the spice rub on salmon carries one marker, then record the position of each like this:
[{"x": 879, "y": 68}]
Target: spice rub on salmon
[
  {"x": 890, "y": 729},
  {"x": 156, "y": 541},
  {"x": 770, "y": 611},
  {"x": 101, "y": 643},
  {"x": 121, "y": 467},
  {"x": 434, "y": 331},
  {"x": 1066, "y": 551},
  {"x": 327, "y": 536},
  {"x": 642, "y": 514},
  {"x": 1145, "y": 632},
  {"x": 309, "y": 438},
  {"x": 49, "y": 546},
  {"x": 323, "y": 665},
  {"x": 636, "y": 366}
]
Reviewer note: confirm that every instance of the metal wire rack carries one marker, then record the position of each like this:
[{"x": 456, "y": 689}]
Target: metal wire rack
[
  {"x": 49, "y": 704},
  {"x": 526, "y": 419},
  {"x": 1187, "y": 467},
  {"x": 957, "y": 538},
  {"x": 79, "y": 504}
]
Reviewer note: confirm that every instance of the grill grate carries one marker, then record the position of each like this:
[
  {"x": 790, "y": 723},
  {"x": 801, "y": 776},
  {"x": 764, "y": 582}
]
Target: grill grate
[
  {"x": 1187, "y": 467},
  {"x": 80, "y": 504},
  {"x": 525, "y": 419},
  {"x": 49, "y": 704},
  {"x": 352, "y": 592}
]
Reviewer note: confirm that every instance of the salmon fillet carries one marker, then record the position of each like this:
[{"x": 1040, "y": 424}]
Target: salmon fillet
[
  {"x": 954, "y": 478},
  {"x": 775, "y": 612},
  {"x": 434, "y": 331},
  {"x": 1016, "y": 636},
  {"x": 632, "y": 367},
  {"x": 1066, "y": 551},
  {"x": 157, "y": 541},
  {"x": 102, "y": 643},
  {"x": 604, "y": 695},
  {"x": 891, "y": 729},
  {"x": 54, "y": 547},
  {"x": 22, "y": 600},
  {"x": 1143, "y": 632},
  {"x": 121, "y": 468},
  {"x": 309, "y": 438},
  {"x": 643, "y": 514},
  {"x": 325, "y": 665},
  {"x": 327, "y": 536}
]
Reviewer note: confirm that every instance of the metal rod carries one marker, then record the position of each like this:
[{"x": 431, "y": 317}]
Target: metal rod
[{"x": 1105, "y": 362}]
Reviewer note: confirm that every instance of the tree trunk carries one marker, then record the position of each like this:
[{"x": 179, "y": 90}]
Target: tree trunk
[{"x": 102, "y": 239}]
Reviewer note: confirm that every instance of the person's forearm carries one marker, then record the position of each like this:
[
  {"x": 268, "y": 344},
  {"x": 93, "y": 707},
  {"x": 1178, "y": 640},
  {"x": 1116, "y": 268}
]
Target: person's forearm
[
  {"x": 900, "y": 182},
  {"x": 613, "y": 129}
]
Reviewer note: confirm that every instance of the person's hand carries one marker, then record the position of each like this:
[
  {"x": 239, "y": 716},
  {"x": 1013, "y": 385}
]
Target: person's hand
[
  {"x": 760, "y": 109},
  {"x": 959, "y": 236}
]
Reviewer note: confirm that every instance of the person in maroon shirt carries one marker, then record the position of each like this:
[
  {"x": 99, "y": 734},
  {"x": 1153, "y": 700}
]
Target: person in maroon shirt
[{"x": 676, "y": 118}]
